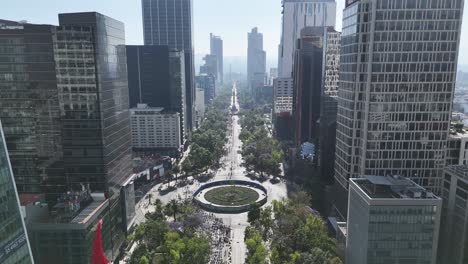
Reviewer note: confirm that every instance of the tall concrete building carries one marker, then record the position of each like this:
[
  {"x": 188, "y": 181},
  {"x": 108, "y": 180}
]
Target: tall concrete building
[
  {"x": 453, "y": 245},
  {"x": 66, "y": 118},
  {"x": 156, "y": 77},
  {"x": 256, "y": 59},
  {"x": 391, "y": 220},
  {"x": 397, "y": 80},
  {"x": 211, "y": 66},
  {"x": 332, "y": 62},
  {"x": 207, "y": 83},
  {"x": 216, "y": 48},
  {"x": 153, "y": 128},
  {"x": 14, "y": 243},
  {"x": 298, "y": 14},
  {"x": 170, "y": 23}
]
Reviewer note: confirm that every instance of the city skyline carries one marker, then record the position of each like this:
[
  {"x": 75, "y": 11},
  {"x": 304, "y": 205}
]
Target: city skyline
[{"x": 229, "y": 28}]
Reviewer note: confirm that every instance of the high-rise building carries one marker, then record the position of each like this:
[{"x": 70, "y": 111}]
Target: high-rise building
[
  {"x": 298, "y": 14},
  {"x": 332, "y": 62},
  {"x": 256, "y": 60},
  {"x": 200, "y": 107},
  {"x": 397, "y": 80},
  {"x": 207, "y": 82},
  {"x": 14, "y": 243},
  {"x": 314, "y": 109},
  {"x": 170, "y": 23},
  {"x": 453, "y": 243},
  {"x": 211, "y": 66},
  {"x": 457, "y": 146},
  {"x": 216, "y": 48},
  {"x": 391, "y": 220},
  {"x": 273, "y": 76},
  {"x": 29, "y": 106},
  {"x": 153, "y": 128},
  {"x": 156, "y": 77},
  {"x": 67, "y": 121},
  {"x": 308, "y": 74}
]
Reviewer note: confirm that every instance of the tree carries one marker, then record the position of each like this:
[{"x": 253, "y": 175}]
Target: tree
[
  {"x": 150, "y": 195},
  {"x": 201, "y": 157},
  {"x": 254, "y": 213},
  {"x": 168, "y": 176},
  {"x": 144, "y": 260},
  {"x": 187, "y": 166},
  {"x": 257, "y": 252},
  {"x": 185, "y": 250},
  {"x": 266, "y": 221},
  {"x": 172, "y": 208},
  {"x": 176, "y": 171}
]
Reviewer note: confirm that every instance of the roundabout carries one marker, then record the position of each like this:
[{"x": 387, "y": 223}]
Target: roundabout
[{"x": 233, "y": 196}]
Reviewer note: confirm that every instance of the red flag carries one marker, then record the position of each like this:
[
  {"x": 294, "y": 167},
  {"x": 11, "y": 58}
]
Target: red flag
[{"x": 97, "y": 256}]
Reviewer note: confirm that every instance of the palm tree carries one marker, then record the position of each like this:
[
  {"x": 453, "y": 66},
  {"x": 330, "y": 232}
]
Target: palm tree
[
  {"x": 172, "y": 208},
  {"x": 150, "y": 195},
  {"x": 176, "y": 171},
  {"x": 168, "y": 177}
]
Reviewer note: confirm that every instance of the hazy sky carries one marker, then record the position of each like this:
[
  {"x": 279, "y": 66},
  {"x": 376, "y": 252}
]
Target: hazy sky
[{"x": 231, "y": 19}]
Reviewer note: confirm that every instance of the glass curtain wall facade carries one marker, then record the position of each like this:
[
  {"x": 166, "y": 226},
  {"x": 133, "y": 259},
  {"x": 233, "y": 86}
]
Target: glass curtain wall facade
[
  {"x": 397, "y": 80},
  {"x": 156, "y": 77},
  {"x": 29, "y": 106},
  {"x": 113, "y": 164},
  {"x": 14, "y": 244},
  {"x": 170, "y": 22},
  {"x": 308, "y": 85}
]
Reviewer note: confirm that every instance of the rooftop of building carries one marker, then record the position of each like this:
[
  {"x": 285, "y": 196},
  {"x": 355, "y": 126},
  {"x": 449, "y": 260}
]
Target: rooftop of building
[
  {"x": 392, "y": 187},
  {"x": 145, "y": 109},
  {"x": 71, "y": 208},
  {"x": 458, "y": 130},
  {"x": 461, "y": 171}
]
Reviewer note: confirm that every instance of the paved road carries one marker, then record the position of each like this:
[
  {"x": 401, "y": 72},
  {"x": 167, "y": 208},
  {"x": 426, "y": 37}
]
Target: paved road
[{"x": 231, "y": 169}]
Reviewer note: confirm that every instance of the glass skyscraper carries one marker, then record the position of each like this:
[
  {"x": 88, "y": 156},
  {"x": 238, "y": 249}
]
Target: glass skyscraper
[
  {"x": 170, "y": 23},
  {"x": 397, "y": 80},
  {"x": 14, "y": 244},
  {"x": 64, "y": 104},
  {"x": 156, "y": 77}
]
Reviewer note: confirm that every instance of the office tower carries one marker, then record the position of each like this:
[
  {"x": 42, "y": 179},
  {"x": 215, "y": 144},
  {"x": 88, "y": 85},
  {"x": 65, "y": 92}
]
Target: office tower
[
  {"x": 207, "y": 82},
  {"x": 397, "y": 79},
  {"x": 298, "y": 14},
  {"x": 153, "y": 128},
  {"x": 273, "y": 76},
  {"x": 216, "y": 48},
  {"x": 308, "y": 73},
  {"x": 256, "y": 60},
  {"x": 67, "y": 122},
  {"x": 457, "y": 145},
  {"x": 14, "y": 241},
  {"x": 99, "y": 116},
  {"x": 29, "y": 106},
  {"x": 156, "y": 77},
  {"x": 453, "y": 243},
  {"x": 170, "y": 23},
  {"x": 282, "y": 108},
  {"x": 391, "y": 220},
  {"x": 211, "y": 66},
  {"x": 332, "y": 62},
  {"x": 200, "y": 106}
]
